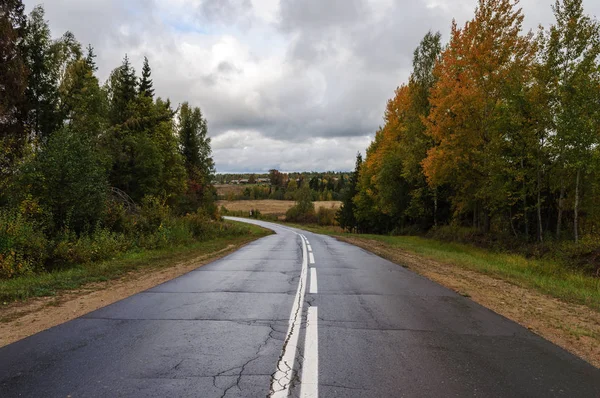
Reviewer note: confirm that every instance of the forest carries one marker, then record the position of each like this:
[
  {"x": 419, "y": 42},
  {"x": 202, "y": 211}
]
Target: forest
[
  {"x": 89, "y": 169},
  {"x": 495, "y": 136}
]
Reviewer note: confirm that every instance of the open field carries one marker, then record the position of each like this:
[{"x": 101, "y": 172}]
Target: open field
[{"x": 269, "y": 206}]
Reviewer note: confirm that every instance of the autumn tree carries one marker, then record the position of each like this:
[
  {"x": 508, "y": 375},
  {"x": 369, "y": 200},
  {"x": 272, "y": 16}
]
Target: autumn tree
[{"x": 474, "y": 108}]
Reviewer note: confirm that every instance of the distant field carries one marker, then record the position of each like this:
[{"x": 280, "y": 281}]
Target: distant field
[{"x": 268, "y": 206}]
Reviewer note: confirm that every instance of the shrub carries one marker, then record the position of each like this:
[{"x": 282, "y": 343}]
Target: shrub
[
  {"x": 326, "y": 216},
  {"x": 23, "y": 246},
  {"x": 102, "y": 244}
]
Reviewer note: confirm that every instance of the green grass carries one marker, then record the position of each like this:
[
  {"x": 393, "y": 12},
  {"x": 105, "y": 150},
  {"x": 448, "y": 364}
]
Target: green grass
[
  {"x": 547, "y": 276},
  {"x": 49, "y": 284}
]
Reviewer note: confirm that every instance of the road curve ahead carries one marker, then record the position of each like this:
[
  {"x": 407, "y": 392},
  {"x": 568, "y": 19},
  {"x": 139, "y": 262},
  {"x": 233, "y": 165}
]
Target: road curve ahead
[{"x": 296, "y": 314}]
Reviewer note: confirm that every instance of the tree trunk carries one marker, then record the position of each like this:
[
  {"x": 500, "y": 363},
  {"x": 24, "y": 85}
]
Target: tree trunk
[
  {"x": 576, "y": 208},
  {"x": 512, "y": 225},
  {"x": 525, "y": 219},
  {"x": 540, "y": 232},
  {"x": 560, "y": 206},
  {"x": 435, "y": 206}
]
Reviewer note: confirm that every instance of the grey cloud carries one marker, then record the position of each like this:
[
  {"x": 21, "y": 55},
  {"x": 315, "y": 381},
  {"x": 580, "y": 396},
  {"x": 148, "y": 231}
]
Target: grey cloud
[
  {"x": 321, "y": 15},
  {"x": 337, "y": 62},
  {"x": 224, "y": 11}
]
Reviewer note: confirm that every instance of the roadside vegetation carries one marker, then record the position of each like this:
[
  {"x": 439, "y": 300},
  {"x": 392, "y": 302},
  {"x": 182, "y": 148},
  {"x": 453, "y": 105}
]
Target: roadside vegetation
[
  {"x": 494, "y": 142},
  {"x": 223, "y": 237},
  {"x": 93, "y": 176}
]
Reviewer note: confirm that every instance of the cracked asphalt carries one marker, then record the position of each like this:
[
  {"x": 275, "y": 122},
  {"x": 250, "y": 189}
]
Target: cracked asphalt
[{"x": 219, "y": 331}]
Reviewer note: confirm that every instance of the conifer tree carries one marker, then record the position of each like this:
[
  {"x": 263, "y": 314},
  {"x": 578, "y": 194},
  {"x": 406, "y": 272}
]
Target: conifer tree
[{"x": 146, "y": 82}]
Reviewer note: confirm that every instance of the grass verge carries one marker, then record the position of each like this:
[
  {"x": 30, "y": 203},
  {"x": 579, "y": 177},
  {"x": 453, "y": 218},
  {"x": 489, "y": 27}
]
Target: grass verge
[{"x": 49, "y": 284}]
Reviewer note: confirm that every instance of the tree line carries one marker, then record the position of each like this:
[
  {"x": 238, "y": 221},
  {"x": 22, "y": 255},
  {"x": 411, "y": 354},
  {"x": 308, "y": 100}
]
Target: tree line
[
  {"x": 498, "y": 131},
  {"x": 78, "y": 156},
  {"x": 277, "y": 185}
]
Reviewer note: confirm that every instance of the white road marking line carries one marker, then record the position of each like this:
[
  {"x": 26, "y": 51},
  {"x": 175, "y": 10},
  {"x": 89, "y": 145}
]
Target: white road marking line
[
  {"x": 313, "y": 281},
  {"x": 283, "y": 376},
  {"x": 309, "y": 384},
  {"x": 312, "y": 258},
  {"x": 309, "y": 248}
]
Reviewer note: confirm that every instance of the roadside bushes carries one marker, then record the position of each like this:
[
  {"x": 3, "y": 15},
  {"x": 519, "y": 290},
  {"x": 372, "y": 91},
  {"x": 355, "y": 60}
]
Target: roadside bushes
[
  {"x": 23, "y": 245},
  {"x": 26, "y": 247},
  {"x": 326, "y": 217}
]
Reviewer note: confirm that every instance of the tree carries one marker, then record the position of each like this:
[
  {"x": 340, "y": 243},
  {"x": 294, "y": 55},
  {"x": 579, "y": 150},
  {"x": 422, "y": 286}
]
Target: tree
[
  {"x": 13, "y": 82},
  {"x": 90, "y": 59},
  {"x": 70, "y": 180},
  {"x": 146, "y": 82},
  {"x": 345, "y": 215},
  {"x": 572, "y": 57},
  {"x": 194, "y": 145},
  {"x": 276, "y": 178},
  {"x": 474, "y": 104},
  {"x": 304, "y": 209},
  {"x": 83, "y": 103},
  {"x": 41, "y": 55},
  {"x": 122, "y": 88}
]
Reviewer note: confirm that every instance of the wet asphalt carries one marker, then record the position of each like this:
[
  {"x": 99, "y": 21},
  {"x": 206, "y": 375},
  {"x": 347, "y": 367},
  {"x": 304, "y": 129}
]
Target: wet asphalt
[{"x": 218, "y": 331}]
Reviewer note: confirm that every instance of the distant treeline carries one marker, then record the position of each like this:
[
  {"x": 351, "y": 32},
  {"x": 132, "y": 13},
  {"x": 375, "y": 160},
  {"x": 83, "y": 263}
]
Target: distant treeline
[
  {"x": 284, "y": 186},
  {"x": 497, "y": 131},
  {"x": 90, "y": 169}
]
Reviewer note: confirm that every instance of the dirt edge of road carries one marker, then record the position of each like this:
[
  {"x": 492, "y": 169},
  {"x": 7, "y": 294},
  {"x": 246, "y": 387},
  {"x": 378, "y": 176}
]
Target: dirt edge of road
[
  {"x": 38, "y": 314},
  {"x": 573, "y": 327}
]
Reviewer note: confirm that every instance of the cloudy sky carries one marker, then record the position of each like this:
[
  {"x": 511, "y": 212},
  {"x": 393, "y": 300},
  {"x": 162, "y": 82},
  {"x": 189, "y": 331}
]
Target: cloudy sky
[{"x": 287, "y": 84}]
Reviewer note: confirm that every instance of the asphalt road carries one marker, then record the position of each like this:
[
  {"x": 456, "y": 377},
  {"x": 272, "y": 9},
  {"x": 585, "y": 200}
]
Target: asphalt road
[{"x": 294, "y": 313}]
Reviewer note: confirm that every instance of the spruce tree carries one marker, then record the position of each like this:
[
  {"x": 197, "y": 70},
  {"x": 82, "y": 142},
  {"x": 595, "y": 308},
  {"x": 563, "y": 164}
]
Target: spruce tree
[
  {"x": 123, "y": 90},
  {"x": 146, "y": 82}
]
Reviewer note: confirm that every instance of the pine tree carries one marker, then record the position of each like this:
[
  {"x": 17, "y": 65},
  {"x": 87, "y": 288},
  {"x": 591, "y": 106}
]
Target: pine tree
[{"x": 146, "y": 83}]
